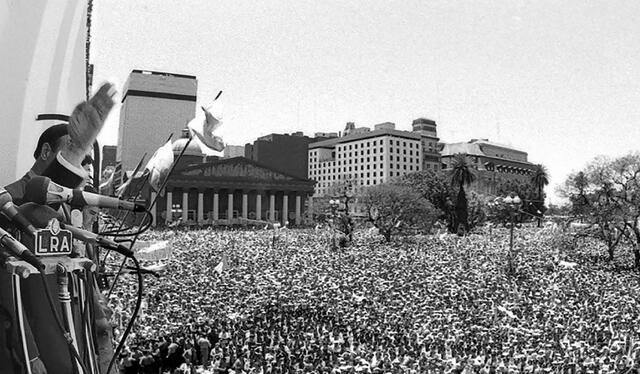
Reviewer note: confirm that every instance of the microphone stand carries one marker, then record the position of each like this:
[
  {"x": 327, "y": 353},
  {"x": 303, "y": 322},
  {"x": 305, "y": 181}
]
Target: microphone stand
[
  {"x": 153, "y": 203},
  {"x": 64, "y": 297}
]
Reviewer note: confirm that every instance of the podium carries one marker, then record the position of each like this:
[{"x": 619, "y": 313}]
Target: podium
[{"x": 73, "y": 282}]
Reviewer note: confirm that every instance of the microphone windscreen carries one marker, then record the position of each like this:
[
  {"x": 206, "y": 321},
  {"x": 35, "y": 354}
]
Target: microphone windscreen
[
  {"x": 36, "y": 190},
  {"x": 39, "y": 215},
  {"x": 5, "y": 197}
]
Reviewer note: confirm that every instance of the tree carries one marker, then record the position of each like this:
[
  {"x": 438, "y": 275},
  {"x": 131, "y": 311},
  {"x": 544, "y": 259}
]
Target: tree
[
  {"x": 461, "y": 175},
  {"x": 540, "y": 179},
  {"x": 394, "y": 207},
  {"x": 435, "y": 188},
  {"x": 606, "y": 194},
  {"x": 575, "y": 190}
]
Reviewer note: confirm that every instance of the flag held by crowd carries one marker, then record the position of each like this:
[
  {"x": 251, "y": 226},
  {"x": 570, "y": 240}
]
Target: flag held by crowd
[{"x": 220, "y": 267}]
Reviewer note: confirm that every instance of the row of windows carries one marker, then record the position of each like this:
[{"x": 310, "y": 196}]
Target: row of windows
[
  {"x": 324, "y": 171},
  {"x": 363, "y": 182},
  {"x": 374, "y": 143},
  {"x": 368, "y": 159}
]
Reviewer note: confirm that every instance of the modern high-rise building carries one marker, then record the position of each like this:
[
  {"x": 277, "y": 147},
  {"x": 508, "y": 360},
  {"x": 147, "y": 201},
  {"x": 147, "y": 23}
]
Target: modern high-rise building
[
  {"x": 154, "y": 105},
  {"x": 364, "y": 157},
  {"x": 494, "y": 163}
]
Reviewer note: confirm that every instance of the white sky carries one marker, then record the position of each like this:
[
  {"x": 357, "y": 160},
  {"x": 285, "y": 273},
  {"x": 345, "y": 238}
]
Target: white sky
[{"x": 557, "y": 79}]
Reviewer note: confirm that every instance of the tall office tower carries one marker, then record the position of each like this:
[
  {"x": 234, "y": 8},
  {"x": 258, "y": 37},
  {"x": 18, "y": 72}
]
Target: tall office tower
[
  {"x": 364, "y": 157},
  {"x": 154, "y": 105}
]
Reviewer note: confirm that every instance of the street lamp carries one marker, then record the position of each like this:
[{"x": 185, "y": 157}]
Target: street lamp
[{"x": 513, "y": 205}]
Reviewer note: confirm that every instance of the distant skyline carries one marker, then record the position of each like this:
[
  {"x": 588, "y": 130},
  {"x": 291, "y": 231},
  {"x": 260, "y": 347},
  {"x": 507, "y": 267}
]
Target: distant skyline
[{"x": 559, "y": 80}]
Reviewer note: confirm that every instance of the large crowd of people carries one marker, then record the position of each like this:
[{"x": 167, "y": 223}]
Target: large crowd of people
[{"x": 421, "y": 304}]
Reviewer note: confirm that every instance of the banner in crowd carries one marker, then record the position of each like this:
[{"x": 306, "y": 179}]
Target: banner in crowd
[
  {"x": 43, "y": 74},
  {"x": 153, "y": 250}
]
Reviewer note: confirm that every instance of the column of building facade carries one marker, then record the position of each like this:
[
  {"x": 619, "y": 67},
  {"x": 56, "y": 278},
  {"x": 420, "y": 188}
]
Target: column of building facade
[
  {"x": 154, "y": 211},
  {"x": 298, "y": 215},
  {"x": 310, "y": 207},
  {"x": 230, "y": 205},
  {"x": 245, "y": 204},
  {"x": 216, "y": 205},
  {"x": 185, "y": 206},
  {"x": 285, "y": 208},
  {"x": 169, "y": 206},
  {"x": 200, "y": 214},
  {"x": 258, "y": 205},
  {"x": 272, "y": 206}
]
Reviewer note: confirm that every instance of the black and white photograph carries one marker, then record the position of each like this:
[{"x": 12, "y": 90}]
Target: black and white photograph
[{"x": 322, "y": 187}]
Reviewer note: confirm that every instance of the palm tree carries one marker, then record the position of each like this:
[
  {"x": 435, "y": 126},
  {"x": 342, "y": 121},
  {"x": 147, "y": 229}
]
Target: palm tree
[
  {"x": 461, "y": 175},
  {"x": 539, "y": 179}
]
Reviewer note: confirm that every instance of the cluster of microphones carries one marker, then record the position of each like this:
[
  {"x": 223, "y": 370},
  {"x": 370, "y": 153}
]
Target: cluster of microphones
[{"x": 40, "y": 198}]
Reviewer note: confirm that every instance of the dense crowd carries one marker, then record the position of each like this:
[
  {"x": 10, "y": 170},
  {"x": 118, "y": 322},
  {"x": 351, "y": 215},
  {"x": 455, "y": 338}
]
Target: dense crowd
[{"x": 422, "y": 304}]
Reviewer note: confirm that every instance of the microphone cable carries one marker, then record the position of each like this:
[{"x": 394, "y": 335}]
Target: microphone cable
[{"x": 63, "y": 330}]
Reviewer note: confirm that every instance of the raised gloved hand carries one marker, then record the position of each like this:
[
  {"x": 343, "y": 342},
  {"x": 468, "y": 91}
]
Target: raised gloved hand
[{"x": 88, "y": 118}]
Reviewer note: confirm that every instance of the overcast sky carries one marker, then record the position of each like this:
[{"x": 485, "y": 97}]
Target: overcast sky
[{"x": 558, "y": 79}]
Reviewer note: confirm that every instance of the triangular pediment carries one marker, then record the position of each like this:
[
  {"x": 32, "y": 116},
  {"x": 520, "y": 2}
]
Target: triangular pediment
[{"x": 238, "y": 167}]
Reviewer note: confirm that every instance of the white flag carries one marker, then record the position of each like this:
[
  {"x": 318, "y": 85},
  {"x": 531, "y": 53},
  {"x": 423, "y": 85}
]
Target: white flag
[
  {"x": 159, "y": 165},
  {"x": 204, "y": 124},
  {"x": 220, "y": 267}
]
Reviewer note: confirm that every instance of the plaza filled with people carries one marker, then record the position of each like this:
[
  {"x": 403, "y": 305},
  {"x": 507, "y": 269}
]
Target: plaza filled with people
[{"x": 421, "y": 304}]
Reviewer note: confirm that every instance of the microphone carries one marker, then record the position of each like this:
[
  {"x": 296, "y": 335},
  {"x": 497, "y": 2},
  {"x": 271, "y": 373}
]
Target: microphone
[
  {"x": 9, "y": 209},
  {"x": 41, "y": 190},
  {"x": 40, "y": 215},
  {"x": 92, "y": 238},
  {"x": 19, "y": 250}
]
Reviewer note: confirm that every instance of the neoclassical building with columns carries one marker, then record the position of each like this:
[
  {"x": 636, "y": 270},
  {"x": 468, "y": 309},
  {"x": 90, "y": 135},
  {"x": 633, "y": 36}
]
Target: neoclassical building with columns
[{"x": 236, "y": 190}]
